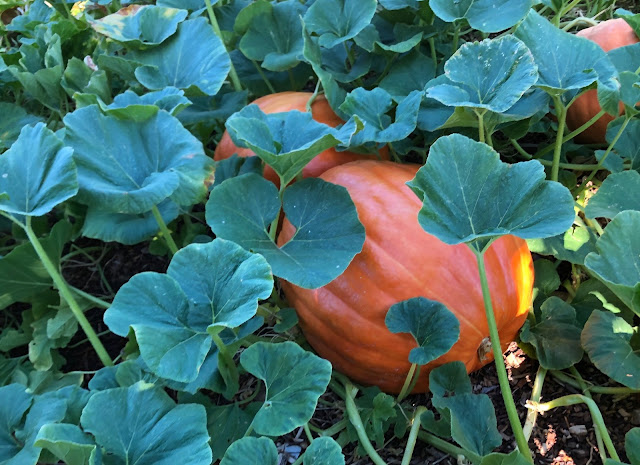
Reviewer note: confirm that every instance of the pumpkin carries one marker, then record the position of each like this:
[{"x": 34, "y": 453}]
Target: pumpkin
[
  {"x": 608, "y": 35},
  {"x": 344, "y": 320},
  {"x": 320, "y": 111}
]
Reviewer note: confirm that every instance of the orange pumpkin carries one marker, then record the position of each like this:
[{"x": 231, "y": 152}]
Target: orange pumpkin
[
  {"x": 344, "y": 320},
  {"x": 321, "y": 112},
  {"x": 610, "y": 34}
]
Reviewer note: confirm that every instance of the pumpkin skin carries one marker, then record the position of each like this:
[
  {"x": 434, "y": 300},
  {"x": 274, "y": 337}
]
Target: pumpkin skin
[
  {"x": 321, "y": 112},
  {"x": 610, "y": 34},
  {"x": 344, "y": 320}
]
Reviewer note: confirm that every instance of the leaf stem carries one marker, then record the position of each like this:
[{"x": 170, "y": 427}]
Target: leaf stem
[
  {"x": 412, "y": 375},
  {"x": 503, "y": 378},
  {"x": 584, "y": 388},
  {"x": 67, "y": 295},
  {"x": 532, "y": 415},
  {"x": 561, "y": 114},
  {"x": 166, "y": 234},
  {"x": 94, "y": 300},
  {"x": 263, "y": 76},
  {"x": 216, "y": 28},
  {"x": 413, "y": 435},
  {"x": 481, "y": 133},
  {"x": 447, "y": 448},
  {"x": 566, "y": 166}
]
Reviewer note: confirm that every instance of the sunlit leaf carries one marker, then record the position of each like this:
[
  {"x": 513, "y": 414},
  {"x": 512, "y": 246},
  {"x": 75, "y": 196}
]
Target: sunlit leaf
[
  {"x": 483, "y": 15},
  {"x": 619, "y": 192}
]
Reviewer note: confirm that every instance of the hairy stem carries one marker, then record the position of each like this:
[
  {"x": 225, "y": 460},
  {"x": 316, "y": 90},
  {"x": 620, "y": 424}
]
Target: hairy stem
[{"x": 166, "y": 234}]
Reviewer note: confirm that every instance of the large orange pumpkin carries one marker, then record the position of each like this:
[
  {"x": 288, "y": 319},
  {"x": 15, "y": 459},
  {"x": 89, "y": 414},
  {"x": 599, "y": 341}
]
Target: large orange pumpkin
[
  {"x": 344, "y": 320},
  {"x": 610, "y": 34},
  {"x": 320, "y": 111}
]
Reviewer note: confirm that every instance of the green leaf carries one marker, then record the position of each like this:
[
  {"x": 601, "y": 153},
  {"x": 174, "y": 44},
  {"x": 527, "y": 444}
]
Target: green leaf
[
  {"x": 410, "y": 72},
  {"x": 627, "y": 144},
  {"x": 571, "y": 64},
  {"x": 130, "y": 105},
  {"x": 251, "y": 451},
  {"x": 286, "y": 141},
  {"x": 226, "y": 424},
  {"x": 479, "y": 75},
  {"x": 547, "y": 279},
  {"x": 619, "y": 192},
  {"x": 69, "y": 444},
  {"x": 632, "y": 445},
  {"x": 142, "y": 425},
  {"x": 294, "y": 380},
  {"x": 606, "y": 339},
  {"x": 592, "y": 295},
  {"x": 514, "y": 458},
  {"x": 11, "y": 414},
  {"x": 211, "y": 285},
  {"x": 328, "y": 234},
  {"x": 434, "y": 327},
  {"x": 13, "y": 120},
  {"x": 130, "y": 167},
  {"x": 336, "y": 21},
  {"x": 468, "y": 194},
  {"x": 371, "y": 105},
  {"x": 37, "y": 172},
  {"x": 556, "y": 336},
  {"x": 482, "y": 14},
  {"x": 275, "y": 36},
  {"x": 142, "y": 26},
  {"x": 450, "y": 378},
  {"x": 617, "y": 260},
  {"x": 288, "y": 319},
  {"x": 176, "y": 62},
  {"x": 79, "y": 78},
  {"x": 323, "y": 451},
  {"x": 573, "y": 245}
]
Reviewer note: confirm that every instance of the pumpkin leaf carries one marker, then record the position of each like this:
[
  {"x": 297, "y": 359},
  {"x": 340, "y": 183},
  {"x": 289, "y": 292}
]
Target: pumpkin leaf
[
  {"x": 176, "y": 62},
  {"x": 606, "y": 339},
  {"x": 14, "y": 119},
  {"x": 496, "y": 458},
  {"x": 131, "y": 106},
  {"x": 294, "y": 380},
  {"x": 69, "y": 444},
  {"x": 627, "y": 144},
  {"x": 226, "y": 424},
  {"x": 618, "y": 192},
  {"x": 336, "y": 21},
  {"x": 329, "y": 233},
  {"x": 409, "y": 72},
  {"x": 11, "y": 414},
  {"x": 211, "y": 285},
  {"x": 480, "y": 77},
  {"x": 617, "y": 260},
  {"x": 251, "y": 451},
  {"x": 434, "y": 327},
  {"x": 140, "y": 26},
  {"x": 323, "y": 451},
  {"x": 141, "y": 424},
  {"x": 450, "y": 378},
  {"x": 468, "y": 195},
  {"x": 632, "y": 445},
  {"x": 573, "y": 245},
  {"x": 547, "y": 279},
  {"x": 37, "y": 173},
  {"x": 482, "y": 14},
  {"x": 286, "y": 141},
  {"x": 556, "y": 336}
]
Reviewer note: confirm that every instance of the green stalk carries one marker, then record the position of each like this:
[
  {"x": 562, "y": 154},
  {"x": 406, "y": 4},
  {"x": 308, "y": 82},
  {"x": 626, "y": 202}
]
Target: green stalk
[
  {"x": 166, "y": 234},
  {"x": 216, "y": 28},
  {"x": 584, "y": 388},
  {"x": 575, "y": 399},
  {"x": 356, "y": 421},
  {"x": 532, "y": 415},
  {"x": 503, "y": 378},
  {"x": 572, "y": 134},
  {"x": 67, "y": 295},
  {"x": 481, "y": 133},
  {"x": 263, "y": 76},
  {"x": 308, "y": 432},
  {"x": 94, "y": 300},
  {"x": 447, "y": 448},
  {"x": 313, "y": 97},
  {"x": 561, "y": 113},
  {"x": 413, "y": 435},
  {"x": 406, "y": 387},
  {"x": 566, "y": 166}
]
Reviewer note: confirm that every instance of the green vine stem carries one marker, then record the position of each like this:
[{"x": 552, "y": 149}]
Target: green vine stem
[
  {"x": 610, "y": 390},
  {"x": 447, "y": 448},
  {"x": 583, "y": 386},
  {"x": 356, "y": 421},
  {"x": 263, "y": 76},
  {"x": 503, "y": 378},
  {"x": 313, "y": 97},
  {"x": 481, "y": 133},
  {"x": 216, "y": 28},
  {"x": 332, "y": 430},
  {"x": 561, "y": 114},
  {"x": 66, "y": 294},
  {"x": 572, "y": 134},
  {"x": 413, "y": 435},
  {"x": 575, "y": 399},
  {"x": 94, "y": 300},
  {"x": 414, "y": 371},
  {"x": 532, "y": 415},
  {"x": 226, "y": 355},
  {"x": 166, "y": 234},
  {"x": 307, "y": 431}
]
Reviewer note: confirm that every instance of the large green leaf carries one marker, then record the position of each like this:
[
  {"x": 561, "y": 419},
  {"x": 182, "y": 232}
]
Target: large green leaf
[
  {"x": 606, "y": 338},
  {"x": 275, "y": 36},
  {"x": 410, "y": 72},
  {"x": 323, "y": 451},
  {"x": 142, "y": 26},
  {"x": 483, "y": 15},
  {"x": 286, "y": 141},
  {"x": 632, "y": 445},
  {"x": 627, "y": 144},
  {"x": 328, "y": 234},
  {"x": 11, "y": 414},
  {"x": 14, "y": 119},
  {"x": 37, "y": 173},
  {"x": 178, "y": 63},
  {"x": 226, "y": 425},
  {"x": 142, "y": 425},
  {"x": 481, "y": 77},
  {"x": 468, "y": 194},
  {"x": 619, "y": 192},
  {"x": 79, "y": 79},
  {"x": 69, "y": 444},
  {"x": 130, "y": 105},
  {"x": 336, "y": 21},
  {"x": 434, "y": 327},
  {"x": 556, "y": 336},
  {"x": 617, "y": 260},
  {"x": 251, "y": 451},
  {"x": 573, "y": 245},
  {"x": 206, "y": 286},
  {"x": 294, "y": 380}
]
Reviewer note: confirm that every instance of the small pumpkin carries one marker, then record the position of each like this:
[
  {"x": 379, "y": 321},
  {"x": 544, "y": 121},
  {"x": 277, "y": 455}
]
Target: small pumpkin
[
  {"x": 344, "y": 320},
  {"x": 610, "y": 34},
  {"x": 320, "y": 111}
]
